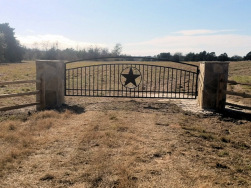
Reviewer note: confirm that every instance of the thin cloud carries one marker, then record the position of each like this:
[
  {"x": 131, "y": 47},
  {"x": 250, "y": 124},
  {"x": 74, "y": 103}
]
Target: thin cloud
[
  {"x": 230, "y": 43},
  {"x": 48, "y": 41},
  {"x": 202, "y": 31}
]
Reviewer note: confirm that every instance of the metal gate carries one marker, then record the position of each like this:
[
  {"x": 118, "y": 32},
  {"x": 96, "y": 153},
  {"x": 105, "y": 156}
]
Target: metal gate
[{"x": 141, "y": 79}]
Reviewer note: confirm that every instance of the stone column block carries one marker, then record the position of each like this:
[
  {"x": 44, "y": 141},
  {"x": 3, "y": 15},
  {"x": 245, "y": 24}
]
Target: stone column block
[
  {"x": 212, "y": 86},
  {"x": 52, "y": 75}
]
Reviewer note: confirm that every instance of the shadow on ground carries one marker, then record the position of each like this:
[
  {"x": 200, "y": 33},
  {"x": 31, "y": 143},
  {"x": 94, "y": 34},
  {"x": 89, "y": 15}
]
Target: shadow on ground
[
  {"x": 230, "y": 114},
  {"x": 74, "y": 108},
  {"x": 237, "y": 112}
]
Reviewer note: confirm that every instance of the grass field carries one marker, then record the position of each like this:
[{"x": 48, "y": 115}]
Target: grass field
[{"x": 108, "y": 142}]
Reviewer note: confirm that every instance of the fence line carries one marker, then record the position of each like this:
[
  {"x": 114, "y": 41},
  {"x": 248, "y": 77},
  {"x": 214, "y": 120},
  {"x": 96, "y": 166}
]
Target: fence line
[
  {"x": 19, "y": 94},
  {"x": 37, "y": 92}
]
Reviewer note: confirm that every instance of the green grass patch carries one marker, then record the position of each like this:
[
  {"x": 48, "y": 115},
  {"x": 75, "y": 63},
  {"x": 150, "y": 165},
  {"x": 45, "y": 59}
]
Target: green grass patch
[{"x": 242, "y": 79}]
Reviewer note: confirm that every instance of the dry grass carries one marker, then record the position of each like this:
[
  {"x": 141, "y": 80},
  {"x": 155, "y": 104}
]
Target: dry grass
[
  {"x": 106, "y": 142},
  {"x": 222, "y": 143},
  {"x": 20, "y": 138},
  {"x": 126, "y": 143}
]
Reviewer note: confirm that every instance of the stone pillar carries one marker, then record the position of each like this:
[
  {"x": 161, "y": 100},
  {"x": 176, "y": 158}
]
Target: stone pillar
[
  {"x": 51, "y": 74},
  {"x": 213, "y": 85}
]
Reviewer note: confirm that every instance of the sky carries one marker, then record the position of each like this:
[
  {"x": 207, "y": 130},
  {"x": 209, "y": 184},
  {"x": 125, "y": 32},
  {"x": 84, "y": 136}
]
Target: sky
[{"x": 142, "y": 27}]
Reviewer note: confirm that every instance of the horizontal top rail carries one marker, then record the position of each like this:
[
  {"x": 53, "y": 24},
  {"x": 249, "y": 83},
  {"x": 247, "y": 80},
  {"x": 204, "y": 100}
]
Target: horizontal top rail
[
  {"x": 129, "y": 64},
  {"x": 19, "y": 82},
  {"x": 131, "y": 58}
]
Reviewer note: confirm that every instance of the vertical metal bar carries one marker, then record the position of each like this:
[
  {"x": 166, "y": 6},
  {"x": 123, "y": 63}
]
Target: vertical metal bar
[
  {"x": 140, "y": 78},
  {"x": 159, "y": 80},
  {"x": 118, "y": 79},
  {"x": 110, "y": 80},
  {"x": 155, "y": 86},
  {"x": 130, "y": 88},
  {"x": 85, "y": 81},
  {"x": 193, "y": 86},
  {"x": 172, "y": 85},
  {"x": 73, "y": 82},
  {"x": 164, "y": 73},
  {"x": 93, "y": 80},
  {"x": 106, "y": 80},
  {"x": 89, "y": 81},
  {"x": 180, "y": 82},
  {"x": 77, "y": 81},
  {"x": 134, "y": 89},
  {"x": 188, "y": 91},
  {"x": 102, "y": 80},
  {"x": 184, "y": 84},
  {"x": 65, "y": 79},
  {"x": 143, "y": 80},
  {"x": 176, "y": 83},
  {"x": 69, "y": 83},
  {"x": 65, "y": 82},
  {"x": 151, "y": 81},
  {"x": 114, "y": 94},
  {"x": 126, "y": 91},
  {"x": 167, "y": 84},
  {"x": 147, "y": 80},
  {"x": 97, "y": 78},
  {"x": 122, "y": 83},
  {"x": 197, "y": 76},
  {"x": 81, "y": 81},
  {"x": 127, "y": 95}
]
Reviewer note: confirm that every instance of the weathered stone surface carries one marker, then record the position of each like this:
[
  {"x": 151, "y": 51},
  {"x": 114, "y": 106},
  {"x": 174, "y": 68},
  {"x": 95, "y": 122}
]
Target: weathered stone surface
[
  {"x": 213, "y": 85},
  {"x": 51, "y": 74}
]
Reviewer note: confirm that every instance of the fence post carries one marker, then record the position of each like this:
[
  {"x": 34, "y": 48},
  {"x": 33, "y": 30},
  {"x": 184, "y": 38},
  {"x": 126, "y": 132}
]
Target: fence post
[
  {"x": 51, "y": 73},
  {"x": 213, "y": 85}
]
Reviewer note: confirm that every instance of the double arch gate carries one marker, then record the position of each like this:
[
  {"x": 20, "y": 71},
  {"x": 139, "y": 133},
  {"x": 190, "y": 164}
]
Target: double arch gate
[{"x": 132, "y": 77}]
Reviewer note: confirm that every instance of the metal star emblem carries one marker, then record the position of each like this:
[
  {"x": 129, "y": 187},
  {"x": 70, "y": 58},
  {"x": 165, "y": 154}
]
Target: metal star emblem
[{"x": 131, "y": 77}]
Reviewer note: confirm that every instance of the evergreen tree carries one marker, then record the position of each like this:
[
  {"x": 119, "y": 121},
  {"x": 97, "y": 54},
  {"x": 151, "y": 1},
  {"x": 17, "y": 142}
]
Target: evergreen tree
[
  {"x": 2, "y": 47},
  {"x": 223, "y": 57},
  {"x": 248, "y": 56},
  {"x": 211, "y": 56},
  {"x": 190, "y": 57},
  {"x": 167, "y": 56},
  {"x": 13, "y": 52},
  {"x": 236, "y": 58}
]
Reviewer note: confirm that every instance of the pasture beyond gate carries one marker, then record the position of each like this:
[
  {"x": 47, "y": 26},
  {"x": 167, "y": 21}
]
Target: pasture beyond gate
[{"x": 131, "y": 77}]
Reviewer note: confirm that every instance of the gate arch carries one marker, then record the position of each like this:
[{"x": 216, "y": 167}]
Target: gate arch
[{"x": 133, "y": 77}]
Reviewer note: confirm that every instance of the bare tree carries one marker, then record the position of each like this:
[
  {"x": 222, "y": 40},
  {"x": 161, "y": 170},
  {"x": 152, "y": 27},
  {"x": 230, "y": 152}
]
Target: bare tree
[{"x": 117, "y": 49}]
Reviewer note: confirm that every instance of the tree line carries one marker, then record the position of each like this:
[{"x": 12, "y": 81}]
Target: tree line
[
  {"x": 202, "y": 56},
  {"x": 12, "y": 51},
  {"x": 71, "y": 54}
]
